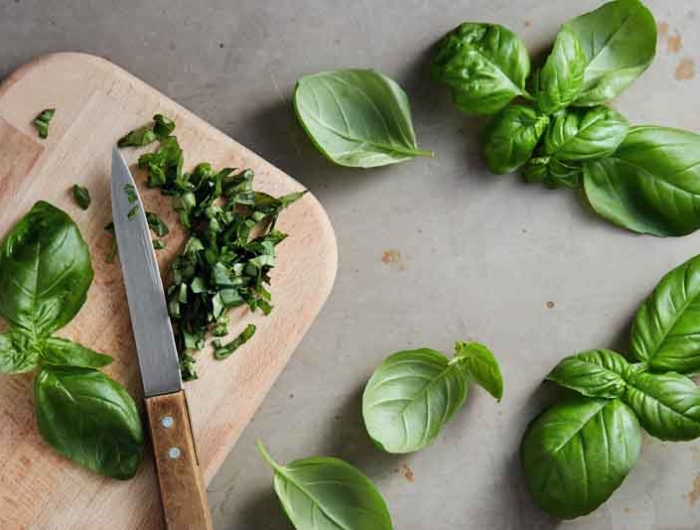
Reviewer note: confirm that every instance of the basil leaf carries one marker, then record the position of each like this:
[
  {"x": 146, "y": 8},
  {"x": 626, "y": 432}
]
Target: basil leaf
[
  {"x": 81, "y": 195},
  {"x": 667, "y": 405},
  {"x": 552, "y": 173},
  {"x": 511, "y": 137},
  {"x": 41, "y": 122},
  {"x": 45, "y": 271},
  {"x": 651, "y": 184},
  {"x": 595, "y": 373},
  {"x": 481, "y": 365},
  {"x": 89, "y": 418},
  {"x": 138, "y": 138},
  {"x": 577, "y": 453},
  {"x": 666, "y": 329},
  {"x": 484, "y": 65},
  {"x": 356, "y": 118},
  {"x": 18, "y": 353},
  {"x": 585, "y": 134},
  {"x": 410, "y": 397},
  {"x": 560, "y": 80},
  {"x": 619, "y": 43},
  {"x": 162, "y": 126},
  {"x": 327, "y": 493},
  {"x": 156, "y": 224},
  {"x": 63, "y": 352}
]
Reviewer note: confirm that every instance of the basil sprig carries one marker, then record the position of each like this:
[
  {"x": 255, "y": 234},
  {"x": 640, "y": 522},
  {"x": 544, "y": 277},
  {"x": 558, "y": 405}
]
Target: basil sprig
[
  {"x": 579, "y": 451},
  {"x": 45, "y": 274}
]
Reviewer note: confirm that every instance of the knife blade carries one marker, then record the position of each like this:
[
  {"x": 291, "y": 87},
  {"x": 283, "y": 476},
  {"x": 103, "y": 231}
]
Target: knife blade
[
  {"x": 182, "y": 490},
  {"x": 153, "y": 332}
]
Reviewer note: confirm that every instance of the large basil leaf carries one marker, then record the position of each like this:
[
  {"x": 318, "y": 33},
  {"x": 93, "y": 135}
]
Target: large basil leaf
[
  {"x": 595, "y": 373},
  {"x": 62, "y": 352},
  {"x": 356, "y": 118},
  {"x": 480, "y": 364},
  {"x": 45, "y": 271},
  {"x": 666, "y": 329},
  {"x": 552, "y": 173},
  {"x": 485, "y": 66},
  {"x": 577, "y": 453},
  {"x": 410, "y": 397},
  {"x": 321, "y": 493},
  {"x": 651, "y": 184},
  {"x": 89, "y": 418},
  {"x": 585, "y": 134},
  {"x": 619, "y": 42},
  {"x": 667, "y": 405},
  {"x": 18, "y": 353},
  {"x": 561, "y": 78},
  {"x": 511, "y": 137}
]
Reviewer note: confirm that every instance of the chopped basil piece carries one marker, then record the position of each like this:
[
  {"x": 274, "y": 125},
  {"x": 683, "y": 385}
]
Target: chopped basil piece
[
  {"x": 158, "y": 244},
  {"x": 157, "y": 225},
  {"x": 81, "y": 196},
  {"x": 41, "y": 122},
  {"x": 222, "y": 351},
  {"x": 138, "y": 138},
  {"x": 112, "y": 252},
  {"x": 132, "y": 213},
  {"x": 163, "y": 126},
  {"x": 131, "y": 193}
]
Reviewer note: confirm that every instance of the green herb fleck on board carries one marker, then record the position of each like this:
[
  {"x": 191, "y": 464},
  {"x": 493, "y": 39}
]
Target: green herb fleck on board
[
  {"x": 81, "y": 195},
  {"x": 41, "y": 122},
  {"x": 222, "y": 351}
]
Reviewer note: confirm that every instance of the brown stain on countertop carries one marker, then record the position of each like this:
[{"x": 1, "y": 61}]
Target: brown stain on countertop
[
  {"x": 674, "y": 42},
  {"x": 662, "y": 28},
  {"x": 685, "y": 70},
  {"x": 393, "y": 256},
  {"x": 694, "y": 494},
  {"x": 408, "y": 473},
  {"x": 550, "y": 305}
]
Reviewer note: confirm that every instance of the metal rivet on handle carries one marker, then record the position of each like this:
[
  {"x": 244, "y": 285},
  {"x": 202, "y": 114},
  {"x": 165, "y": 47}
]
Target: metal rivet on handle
[
  {"x": 167, "y": 422},
  {"x": 174, "y": 453}
]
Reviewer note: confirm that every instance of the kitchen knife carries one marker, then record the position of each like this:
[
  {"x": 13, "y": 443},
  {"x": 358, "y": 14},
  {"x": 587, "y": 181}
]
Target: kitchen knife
[{"x": 182, "y": 490}]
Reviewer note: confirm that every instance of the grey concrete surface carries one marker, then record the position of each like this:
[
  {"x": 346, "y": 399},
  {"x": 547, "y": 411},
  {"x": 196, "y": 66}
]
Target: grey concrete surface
[{"x": 477, "y": 256}]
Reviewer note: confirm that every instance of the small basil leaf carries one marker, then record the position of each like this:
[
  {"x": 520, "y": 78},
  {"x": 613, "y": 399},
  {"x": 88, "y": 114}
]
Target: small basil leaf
[
  {"x": 651, "y": 184},
  {"x": 561, "y": 78},
  {"x": 356, "y": 118},
  {"x": 156, "y": 224},
  {"x": 484, "y": 65},
  {"x": 18, "y": 354},
  {"x": 45, "y": 271},
  {"x": 511, "y": 137},
  {"x": 89, "y": 418},
  {"x": 41, "y": 122},
  {"x": 410, "y": 397},
  {"x": 585, "y": 134},
  {"x": 552, "y": 173},
  {"x": 62, "y": 352},
  {"x": 619, "y": 43},
  {"x": 666, "y": 330},
  {"x": 577, "y": 453},
  {"x": 481, "y": 365},
  {"x": 667, "y": 405},
  {"x": 81, "y": 195},
  {"x": 595, "y": 373},
  {"x": 328, "y": 493},
  {"x": 138, "y": 137},
  {"x": 163, "y": 126}
]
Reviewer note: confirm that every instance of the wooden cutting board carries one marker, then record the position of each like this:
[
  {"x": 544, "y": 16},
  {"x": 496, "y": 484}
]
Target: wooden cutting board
[{"x": 96, "y": 102}]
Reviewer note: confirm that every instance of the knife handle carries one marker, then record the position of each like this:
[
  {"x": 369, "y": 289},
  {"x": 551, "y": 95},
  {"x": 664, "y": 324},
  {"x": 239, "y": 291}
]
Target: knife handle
[{"x": 182, "y": 490}]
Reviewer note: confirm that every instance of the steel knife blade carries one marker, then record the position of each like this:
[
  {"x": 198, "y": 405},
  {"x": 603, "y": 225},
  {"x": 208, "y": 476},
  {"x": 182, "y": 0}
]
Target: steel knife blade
[{"x": 153, "y": 332}]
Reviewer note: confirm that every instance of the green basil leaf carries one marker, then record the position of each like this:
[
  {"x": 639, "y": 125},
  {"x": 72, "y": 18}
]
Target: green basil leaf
[
  {"x": 651, "y": 184},
  {"x": 18, "y": 353},
  {"x": 322, "y": 493},
  {"x": 560, "y": 80},
  {"x": 356, "y": 118},
  {"x": 666, "y": 329},
  {"x": 41, "y": 122},
  {"x": 138, "y": 137},
  {"x": 577, "y": 453},
  {"x": 585, "y": 134},
  {"x": 63, "y": 352},
  {"x": 81, "y": 195},
  {"x": 595, "y": 373},
  {"x": 156, "y": 224},
  {"x": 162, "y": 126},
  {"x": 484, "y": 65},
  {"x": 619, "y": 42},
  {"x": 481, "y": 365},
  {"x": 552, "y": 173},
  {"x": 410, "y": 397},
  {"x": 222, "y": 351},
  {"x": 667, "y": 405},
  {"x": 45, "y": 271},
  {"x": 89, "y": 418},
  {"x": 511, "y": 137}
]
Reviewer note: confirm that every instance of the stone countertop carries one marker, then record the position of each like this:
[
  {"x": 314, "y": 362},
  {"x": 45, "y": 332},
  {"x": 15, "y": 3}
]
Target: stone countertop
[{"x": 431, "y": 251}]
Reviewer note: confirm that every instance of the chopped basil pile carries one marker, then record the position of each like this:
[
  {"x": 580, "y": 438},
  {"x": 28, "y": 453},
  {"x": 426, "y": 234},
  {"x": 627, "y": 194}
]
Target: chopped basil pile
[
  {"x": 230, "y": 249},
  {"x": 41, "y": 122}
]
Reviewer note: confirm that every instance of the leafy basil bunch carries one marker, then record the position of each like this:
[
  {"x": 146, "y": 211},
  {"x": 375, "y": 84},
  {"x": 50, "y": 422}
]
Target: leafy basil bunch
[
  {"x": 578, "y": 452},
  {"x": 560, "y": 133},
  {"x": 45, "y": 274},
  {"x": 414, "y": 393}
]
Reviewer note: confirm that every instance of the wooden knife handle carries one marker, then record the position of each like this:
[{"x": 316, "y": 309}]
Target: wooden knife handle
[{"x": 182, "y": 490}]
